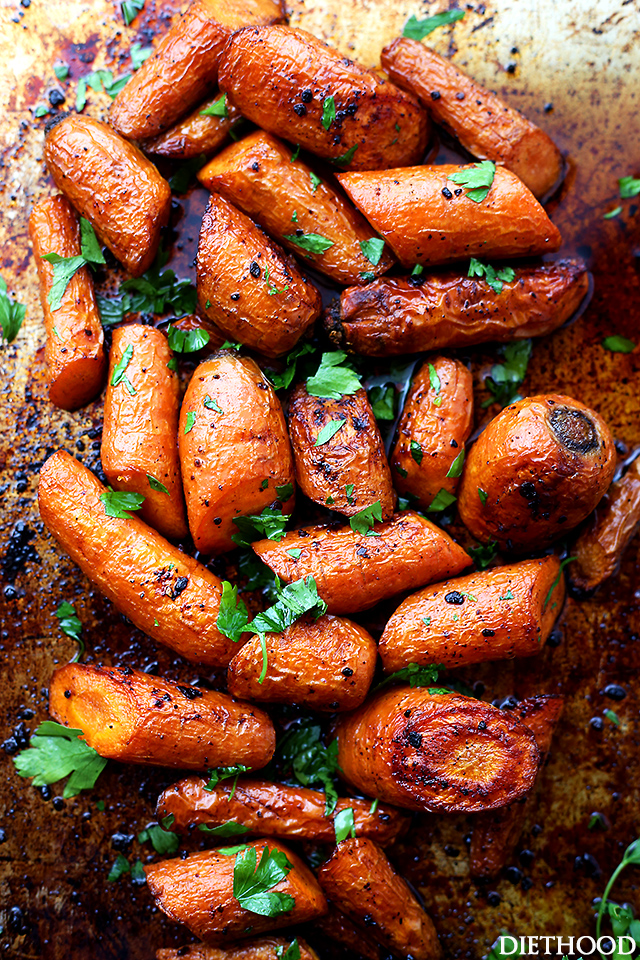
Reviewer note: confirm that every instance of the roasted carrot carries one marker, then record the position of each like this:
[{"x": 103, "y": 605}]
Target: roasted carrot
[
  {"x": 496, "y": 614},
  {"x": 496, "y": 834},
  {"x": 296, "y": 87},
  {"x": 198, "y": 133},
  {"x": 435, "y": 424},
  {"x": 348, "y": 470},
  {"x": 267, "y": 948},
  {"x": 111, "y": 183},
  {"x": 536, "y": 471},
  {"x": 427, "y": 219},
  {"x": 600, "y": 546},
  {"x": 139, "y": 439},
  {"x": 198, "y": 892},
  {"x": 131, "y": 716},
  {"x": 359, "y": 879},
  {"x": 483, "y": 123},
  {"x": 234, "y": 449},
  {"x": 184, "y": 66},
  {"x": 326, "y": 664},
  {"x": 438, "y": 752},
  {"x": 163, "y": 591},
  {"x": 356, "y": 941},
  {"x": 393, "y": 315},
  {"x": 273, "y": 808},
  {"x": 74, "y": 350},
  {"x": 353, "y": 572},
  {"x": 248, "y": 286},
  {"x": 258, "y": 176}
]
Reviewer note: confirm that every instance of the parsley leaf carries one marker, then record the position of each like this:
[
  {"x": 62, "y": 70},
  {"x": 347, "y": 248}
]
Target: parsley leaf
[
  {"x": 505, "y": 378},
  {"x": 419, "y": 29},
  {"x": 310, "y": 762},
  {"x": 416, "y": 451},
  {"x": 328, "y": 431},
  {"x": 99, "y": 80},
  {"x": 363, "y": 521},
  {"x": 11, "y": 314},
  {"x": 283, "y": 380},
  {"x": 118, "y": 869},
  {"x": 216, "y": 109},
  {"x": 185, "y": 173},
  {"x": 315, "y": 181},
  {"x": 295, "y": 599},
  {"x": 120, "y": 371},
  {"x": 156, "y": 484},
  {"x": 629, "y": 187},
  {"x": 190, "y": 423},
  {"x": 612, "y": 716},
  {"x": 71, "y": 626},
  {"x": 224, "y": 773},
  {"x": 112, "y": 311},
  {"x": 435, "y": 384},
  {"x": 228, "y": 829},
  {"x": 455, "y": 470},
  {"x": 372, "y": 249},
  {"x": 55, "y": 752},
  {"x": 328, "y": 112},
  {"x": 187, "y": 341},
  {"x": 285, "y": 492},
  {"x": 139, "y": 54},
  {"x": 253, "y": 884},
  {"x": 117, "y": 503},
  {"x": 64, "y": 268},
  {"x": 156, "y": 292},
  {"x": 332, "y": 380},
  {"x": 612, "y": 213},
  {"x": 441, "y": 501},
  {"x": 272, "y": 290},
  {"x": 270, "y": 523},
  {"x": 484, "y": 554},
  {"x": 130, "y": 9},
  {"x": 383, "y": 402},
  {"x": 414, "y": 675},
  {"x": 162, "y": 841},
  {"x": 499, "y": 949},
  {"x": 555, "y": 583},
  {"x": 618, "y": 344},
  {"x": 291, "y": 953},
  {"x": 495, "y": 278},
  {"x": 478, "y": 179},
  {"x": 346, "y": 157},
  {"x": 295, "y": 553},
  {"x": 233, "y": 616},
  {"x": 484, "y": 496},
  {"x": 211, "y": 404},
  {"x": 344, "y": 825},
  {"x": 311, "y": 242},
  {"x": 61, "y": 70}
]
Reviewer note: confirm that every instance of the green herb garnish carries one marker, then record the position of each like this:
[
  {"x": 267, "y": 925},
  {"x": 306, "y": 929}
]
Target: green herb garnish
[{"x": 477, "y": 179}]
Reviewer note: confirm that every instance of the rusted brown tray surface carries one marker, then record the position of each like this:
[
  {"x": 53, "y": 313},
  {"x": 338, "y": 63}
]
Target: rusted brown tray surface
[{"x": 571, "y": 67}]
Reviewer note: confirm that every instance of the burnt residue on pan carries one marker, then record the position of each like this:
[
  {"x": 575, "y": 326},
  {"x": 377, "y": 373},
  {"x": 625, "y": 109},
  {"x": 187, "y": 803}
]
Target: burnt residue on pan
[{"x": 569, "y": 69}]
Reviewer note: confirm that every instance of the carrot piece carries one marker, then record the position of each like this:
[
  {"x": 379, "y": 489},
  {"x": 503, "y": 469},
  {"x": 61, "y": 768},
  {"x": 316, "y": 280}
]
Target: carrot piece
[
  {"x": 266, "y": 948},
  {"x": 437, "y": 752},
  {"x": 74, "y": 348},
  {"x": 424, "y": 225},
  {"x": 535, "y": 472},
  {"x": 139, "y": 439},
  {"x": 196, "y": 134},
  {"x": 131, "y": 716},
  {"x": 496, "y": 614},
  {"x": 166, "y": 593}
]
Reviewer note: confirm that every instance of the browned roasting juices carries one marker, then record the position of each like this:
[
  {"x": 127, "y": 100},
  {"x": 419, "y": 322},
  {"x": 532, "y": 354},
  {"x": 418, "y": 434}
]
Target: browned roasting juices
[{"x": 74, "y": 350}]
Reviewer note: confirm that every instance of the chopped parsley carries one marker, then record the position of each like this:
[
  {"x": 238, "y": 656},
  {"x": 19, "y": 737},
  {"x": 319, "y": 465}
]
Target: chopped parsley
[
  {"x": 419, "y": 29},
  {"x": 315, "y": 181},
  {"x": 270, "y": 523},
  {"x": 139, "y": 54},
  {"x": 416, "y": 452},
  {"x": 130, "y": 9},
  {"x": 363, "y": 521},
  {"x": 344, "y": 824},
  {"x": 187, "y": 341},
  {"x": 383, "y": 402},
  {"x": 228, "y": 829},
  {"x": 372, "y": 249},
  {"x": 612, "y": 213},
  {"x": 617, "y": 344},
  {"x": 156, "y": 484},
  {"x": 162, "y": 841},
  {"x": 311, "y": 242},
  {"x": 629, "y": 187},
  {"x": 483, "y": 555},
  {"x": 61, "y": 70},
  {"x": 53, "y": 753},
  {"x": 71, "y": 626},
  {"x": 212, "y": 404},
  {"x": 310, "y": 762},
  {"x": 190, "y": 422},
  {"x": 12, "y": 314},
  {"x": 253, "y": 882},
  {"x": 182, "y": 178},
  {"x": 555, "y": 583},
  {"x": 272, "y": 290},
  {"x": 441, "y": 501},
  {"x": 414, "y": 675},
  {"x": 117, "y": 503},
  {"x": 435, "y": 384},
  {"x": 455, "y": 470},
  {"x": 328, "y": 431},
  {"x": 294, "y": 600},
  {"x": 495, "y": 278},
  {"x": 333, "y": 379},
  {"x": 346, "y": 157},
  {"x": 612, "y": 716},
  {"x": 216, "y": 109},
  {"x": 477, "y": 179},
  {"x": 505, "y": 378},
  {"x": 99, "y": 80},
  {"x": 328, "y": 112},
  {"x": 291, "y": 953},
  {"x": 64, "y": 268},
  {"x": 119, "y": 374},
  {"x": 225, "y": 773}
]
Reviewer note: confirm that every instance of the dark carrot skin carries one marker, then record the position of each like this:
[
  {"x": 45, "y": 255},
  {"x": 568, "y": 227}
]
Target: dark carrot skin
[
  {"x": 198, "y": 892},
  {"x": 496, "y": 834},
  {"x": 248, "y": 286},
  {"x": 483, "y": 123},
  {"x": 324, "y": 664},
  {"x": 257, "y": 175},
  {"x": 234, "y": 448},
  {"x": 354, "y": 572},
  {"x": 74, "y": 349},
  {"x": 339, "y": 928},
  {"x": 394, "y": 315},
  {"x": 600, "y": 546},
  {"x": 359, "y": 879},
  {"x": 131, "y": 716},
  {"x": 405, "y": 746},
  {"x": 424, "y": 226},
  {"x": 195, "y": 134},
  {"x": 111, "y": 183},
  {"x": 273, "y": 808},
  {"x": 139, "y": 436},
  {"x": 265, "y": 70},
  {"x": 267, "y": 948},
  {"x": 542, "y": 465},
  {"x": 184, "y": 66},
  {"x": 495, "y": 614},
  {"x": 354, "y": 456},
  {"x": 164, "y": 592},
  {"x": 435, "y": 424}
]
